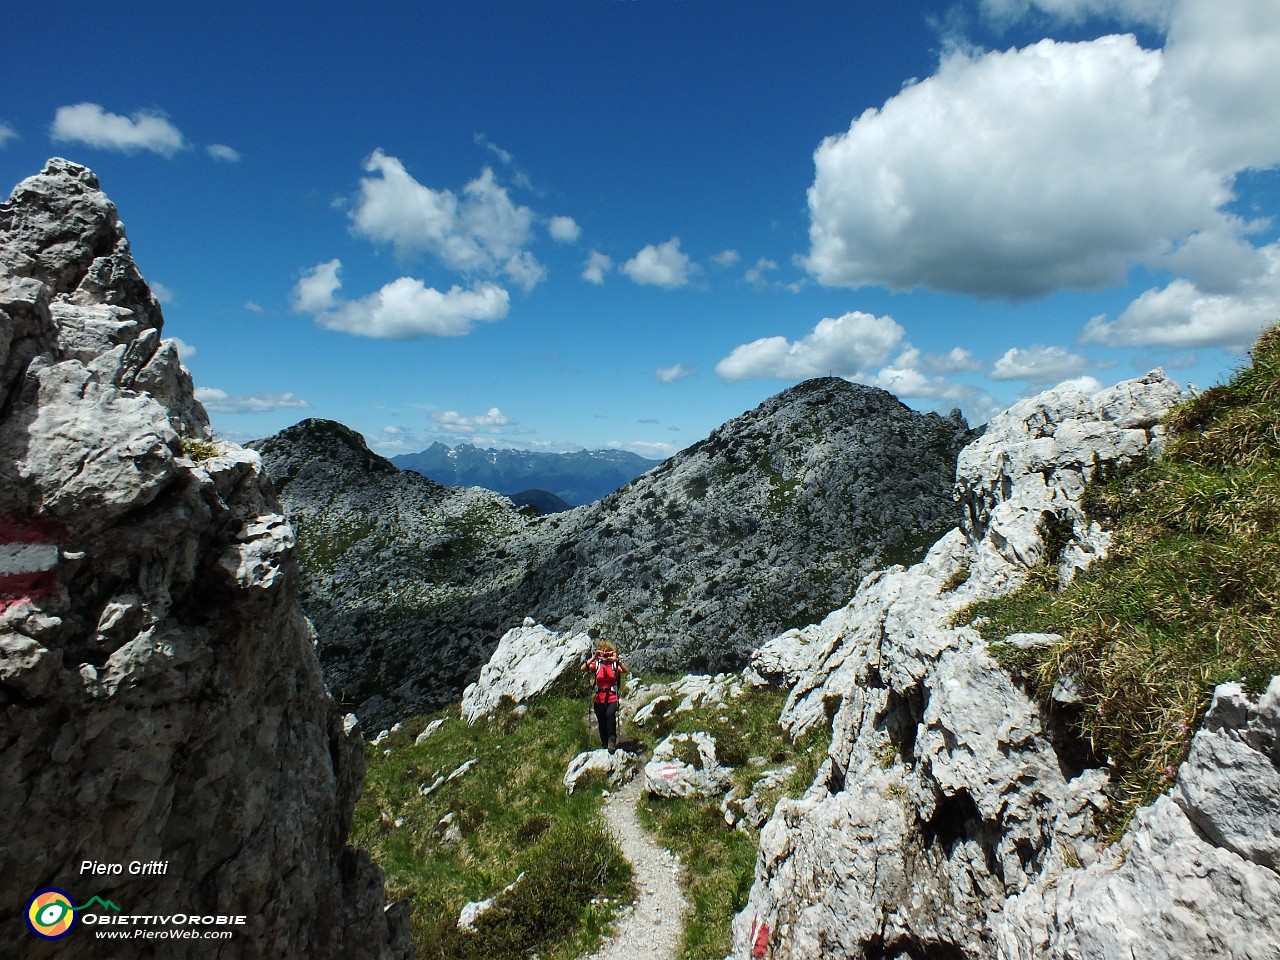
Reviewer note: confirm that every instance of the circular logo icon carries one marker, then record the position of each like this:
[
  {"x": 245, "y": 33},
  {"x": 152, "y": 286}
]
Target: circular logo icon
[{"x": 51, "y": 914}]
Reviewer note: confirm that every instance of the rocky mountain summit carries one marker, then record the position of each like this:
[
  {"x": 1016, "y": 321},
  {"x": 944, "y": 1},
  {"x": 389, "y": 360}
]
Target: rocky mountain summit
[
  {"x": 768, "y": 523},
  {"x": 161, "y": 694},
  {"x": 576, "y": 478},
  {"x": 396, "y": 566}
]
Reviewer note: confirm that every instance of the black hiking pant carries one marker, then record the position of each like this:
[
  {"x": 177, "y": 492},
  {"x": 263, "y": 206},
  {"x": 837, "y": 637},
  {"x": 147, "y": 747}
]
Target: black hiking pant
[{"x": 607, "y": 717}]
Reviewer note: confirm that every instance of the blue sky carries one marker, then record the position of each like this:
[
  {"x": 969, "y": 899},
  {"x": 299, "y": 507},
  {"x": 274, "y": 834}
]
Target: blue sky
[{"x": 563, "y": 223}]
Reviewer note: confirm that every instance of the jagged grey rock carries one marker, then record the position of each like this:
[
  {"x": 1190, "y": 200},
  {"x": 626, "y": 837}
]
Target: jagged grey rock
[
  {"x": 750, "y": 808},
  {"x": 668, "y": 774},
  {"x": 764, "y": 525},
  {"x": 161, "y": 695},
  {"x": 1196, "y": 873},
  {"x": 529, "y": 659},
  {"x": 943, "y": 793},
  {"x": 617, "y": 768}
]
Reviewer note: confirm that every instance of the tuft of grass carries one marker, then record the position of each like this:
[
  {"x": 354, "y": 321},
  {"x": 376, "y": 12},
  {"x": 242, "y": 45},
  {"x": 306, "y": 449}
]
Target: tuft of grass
[
  {"x": 553, "y": 904},
  {"x": 510, "y": 815},
  {"x": 1187, "y": 599},
  {"x": 200, "y": 450}
]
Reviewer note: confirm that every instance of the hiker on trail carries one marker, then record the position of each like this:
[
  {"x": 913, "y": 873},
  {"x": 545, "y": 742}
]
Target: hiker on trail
[{"x": 607, "y": 669}]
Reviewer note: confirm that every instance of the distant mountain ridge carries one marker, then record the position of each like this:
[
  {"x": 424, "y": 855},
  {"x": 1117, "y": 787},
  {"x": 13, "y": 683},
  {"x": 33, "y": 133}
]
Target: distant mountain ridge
[{"x": 576, "y": 478}]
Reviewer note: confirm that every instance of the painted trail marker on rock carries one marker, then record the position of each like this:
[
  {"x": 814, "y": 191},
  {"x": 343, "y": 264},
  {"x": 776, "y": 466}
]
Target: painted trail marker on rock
[{"x": 28, "y": 560}]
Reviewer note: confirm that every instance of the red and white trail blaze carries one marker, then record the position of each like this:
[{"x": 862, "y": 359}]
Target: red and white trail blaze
[{"x": 28, "y": 560}]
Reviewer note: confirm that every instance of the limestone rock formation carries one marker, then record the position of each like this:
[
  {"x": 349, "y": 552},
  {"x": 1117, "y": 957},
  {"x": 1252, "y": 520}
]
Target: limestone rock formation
[
  {"x": 685, "y": 765},
  {"x": 615, "y": 768},
  {"x": 944, "y": 792},
  {"x": 528, "y": 660},
  {"x": 1198, "y": 872},
  {"x": 162, "y": 699}
]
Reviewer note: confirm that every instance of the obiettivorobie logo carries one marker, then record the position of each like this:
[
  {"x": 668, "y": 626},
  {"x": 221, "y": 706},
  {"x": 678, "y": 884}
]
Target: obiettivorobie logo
[{"x": 51, "y": 914}]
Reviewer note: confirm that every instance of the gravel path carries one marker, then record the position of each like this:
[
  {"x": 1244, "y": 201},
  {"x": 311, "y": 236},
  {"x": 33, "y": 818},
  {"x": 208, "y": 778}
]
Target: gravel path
[{"x": 650, "y": 929}]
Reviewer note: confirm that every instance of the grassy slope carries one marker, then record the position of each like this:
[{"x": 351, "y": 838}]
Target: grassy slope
[
  {"x": 1187, "y": 599},
  {"x": 514, "y": 816}
]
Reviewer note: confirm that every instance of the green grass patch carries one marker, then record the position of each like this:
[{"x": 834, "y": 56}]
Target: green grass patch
[
  {"x": 1186, "y": 600},
  {"x": 509, "y": 814}
]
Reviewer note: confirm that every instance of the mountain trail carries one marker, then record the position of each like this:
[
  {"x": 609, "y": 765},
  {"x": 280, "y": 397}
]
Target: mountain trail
[{"x": 651, "y": 928}]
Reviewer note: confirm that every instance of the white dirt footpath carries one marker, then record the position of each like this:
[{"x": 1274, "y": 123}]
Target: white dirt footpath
[{"x": 651, "y": 928}]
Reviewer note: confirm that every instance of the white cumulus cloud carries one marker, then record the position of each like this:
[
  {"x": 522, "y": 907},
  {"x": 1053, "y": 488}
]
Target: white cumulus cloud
[
  {"x": 315, "y": 292},
  {"x": 220, "y": 151},
  {"x": 219, "y": 401},
  {"x": 597, "y": 265},
  {"x": 404, "y": 309},
  {"x": 757, "y": 275},
  {"x": 90, "y": 124},
  {"x": 492, "y": 422},
  {"x": 564, "y": 229},
  {"x": 1039, "y": 365},
  {"x": 481, "y": 230},
  {"x": 957, "y": 360},
  {"x": 866, "y": 349},
  {"x": 726, "y": 258},
  {"x": 678, "y": 371},
  {"x": 7, "y": 133},
  {"x": 1012, "y": 174},
  {"x": 844, "y": 346},
  {"x": 662, "y": 265},
  {"x": 1184, "y": 314}
]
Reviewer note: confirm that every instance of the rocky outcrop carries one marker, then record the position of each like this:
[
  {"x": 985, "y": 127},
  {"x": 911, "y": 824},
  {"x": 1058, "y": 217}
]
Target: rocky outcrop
[
  {"x": 1198, "y": 872},
  {"x": 685, "y": 765},
  {"x": 615, "y": 769},
  {"x": 161, "y": 696},
  {"x": 529, "y": 659},
  {"x": 945, "y": 791}
]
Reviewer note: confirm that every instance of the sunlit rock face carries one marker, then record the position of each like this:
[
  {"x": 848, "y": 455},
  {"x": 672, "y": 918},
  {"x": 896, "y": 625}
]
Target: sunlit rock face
[{"x": 162, "y": 699}]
